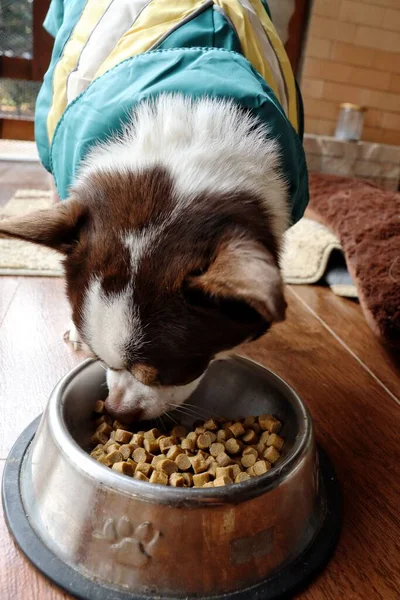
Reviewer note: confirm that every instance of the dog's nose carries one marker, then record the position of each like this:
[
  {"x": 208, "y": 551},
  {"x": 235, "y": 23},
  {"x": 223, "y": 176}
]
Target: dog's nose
[{"x": 116, "y": 409}]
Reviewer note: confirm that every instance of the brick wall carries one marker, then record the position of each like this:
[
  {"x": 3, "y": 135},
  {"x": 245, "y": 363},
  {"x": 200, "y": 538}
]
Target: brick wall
[{"x": 352, "y": 54}]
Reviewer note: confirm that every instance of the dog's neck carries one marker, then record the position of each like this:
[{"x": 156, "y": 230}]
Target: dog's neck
[{"x": 207, "y": 146}]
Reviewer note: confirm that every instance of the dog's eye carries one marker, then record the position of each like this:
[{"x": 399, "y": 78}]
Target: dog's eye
[{"x": 198, "y": 272}]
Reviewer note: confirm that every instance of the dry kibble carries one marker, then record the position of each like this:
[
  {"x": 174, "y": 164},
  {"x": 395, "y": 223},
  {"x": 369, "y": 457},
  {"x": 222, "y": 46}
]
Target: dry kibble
[
  {"x": 159, "y": 477},
  {"x": 276, "y": 441},
  {"x": 256, "y": 428},
  {"x": 205, "y": 440},
  {"x": 252, "y": 451},
  {"x": 183, "y": 462},
  {"x": 220, "y": 481},
  {"x": 125, "y": 450},
  {"x": 123, "y": 467},
  {"x": 113, "y": 457},
  {"x": 261, "y": 448},
  {"x": 233, "y": 446},
  {"x": 237, "y": 429},
  {"x": 140, "y": 455},
  {"x": 224, "y": 472},
  {"x": 248, "y": 460},
  {"x": 167, "y": 466},
  {"x": 188, "y": 477},
  {"x": 235, "y": 470},
  {"x": 213, "y": 454},
  {"x": 188, "y": 444},
  {"x": 99, "y": 407},
  {"x": 145, "y": 468},
  {"x": 223, "y": 435},
  {"x": 173, "y": 452},
  {"x": 109, "y": 443},
  {"x": 98, "y": 450},
  {"x": 217, "y": 448},
  {"x": 152, "y": 434},
  {"x": 250, "y": 437},
  {"x": 212, "y": 468},
  {"x": 176, "y": 480},
  {"x": 200, "y": 479},
  {"x": 151, "y": 446},
  {"x": 223, "y": 459},
  {"x": 199, "y": 465},
  {"x": 242, "y": 476},
  {"x": 211, "y": 425},
  {"x": 122, "y": 436},
  {"x": 264, "y": 437},
  {"x": 166, "y": 443},
  {"x": 141, "y": 476},
  {"x": 103, "y": 419},
  {"x": 113, "y": 447},
  {"x": 137, "y": 438},
  {"x": 203, "y": 454},
  {"x": 102, "y": 433},
  {"x": 131, "y": 462},
  {"x": 156, "y": 459},
  {"x": 271, "y": 455},
  {"x": 117, "y": 425},
  {"x": 269, "y": 423},
  {"x": 260, "y": 467},
  {"x": 179, "y": 432}
]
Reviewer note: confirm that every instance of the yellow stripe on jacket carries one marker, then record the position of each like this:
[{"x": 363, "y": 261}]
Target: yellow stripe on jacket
[
  {"x": 153, "y": 21},
  {"x": 159, "y": 18},
  {"x": 91, "y": 15},
  {"x": 283, "y": 59}
]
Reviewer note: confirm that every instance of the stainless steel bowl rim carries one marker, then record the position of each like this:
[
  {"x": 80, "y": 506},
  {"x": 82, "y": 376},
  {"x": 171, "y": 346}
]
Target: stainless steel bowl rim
[{"x": 167, "y": 495}]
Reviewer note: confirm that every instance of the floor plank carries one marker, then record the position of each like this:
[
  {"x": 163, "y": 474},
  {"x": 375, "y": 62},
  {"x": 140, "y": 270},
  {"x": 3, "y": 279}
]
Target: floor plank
[
  {"x": 33, "y": 355},
  {"x": 16, "y": 175},
  {"x": 357, "y": 423},
  {"x": 18, "y": 580},
  {"x": 345, "y": 318},
  {"x": 8, "y": 287},
  {"x": 355, "y": 420}
]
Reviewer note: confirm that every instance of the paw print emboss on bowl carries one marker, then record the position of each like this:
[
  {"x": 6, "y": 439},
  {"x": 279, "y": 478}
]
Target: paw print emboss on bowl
[{"x": 132, "y": 545}]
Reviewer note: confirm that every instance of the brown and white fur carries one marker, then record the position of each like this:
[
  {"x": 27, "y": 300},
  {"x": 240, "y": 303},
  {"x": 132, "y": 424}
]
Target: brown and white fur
[{"x": 170, "y": 237}]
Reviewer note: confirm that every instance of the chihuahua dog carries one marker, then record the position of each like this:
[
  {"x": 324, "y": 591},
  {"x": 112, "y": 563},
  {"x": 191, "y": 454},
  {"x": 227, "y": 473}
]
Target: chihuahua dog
[{"x": 176, "y": 191}]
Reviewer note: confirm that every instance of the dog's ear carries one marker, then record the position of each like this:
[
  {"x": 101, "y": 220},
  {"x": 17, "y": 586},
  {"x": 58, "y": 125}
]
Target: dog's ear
[
  {"x": 57, "y": 227},
  {"x": 245, "y": 272}
]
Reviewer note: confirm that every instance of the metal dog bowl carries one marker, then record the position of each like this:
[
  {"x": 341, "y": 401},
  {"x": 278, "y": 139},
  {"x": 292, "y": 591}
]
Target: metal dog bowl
[{"x": 99, "y": 534}]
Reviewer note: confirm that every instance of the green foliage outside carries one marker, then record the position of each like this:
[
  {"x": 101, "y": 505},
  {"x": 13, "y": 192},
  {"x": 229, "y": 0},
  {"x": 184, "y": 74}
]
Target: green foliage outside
[
  {"x": 16, "y": 28},
  {"x": 17, "y": 98}
]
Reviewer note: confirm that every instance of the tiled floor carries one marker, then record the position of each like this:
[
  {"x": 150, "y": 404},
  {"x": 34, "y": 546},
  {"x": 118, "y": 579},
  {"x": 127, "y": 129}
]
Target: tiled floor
[{"x": 325, "y": 350}]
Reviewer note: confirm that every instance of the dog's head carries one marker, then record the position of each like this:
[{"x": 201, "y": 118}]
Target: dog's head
[
  {"x": 160, "y": 284},
  {"x": 155, "y": 295}
]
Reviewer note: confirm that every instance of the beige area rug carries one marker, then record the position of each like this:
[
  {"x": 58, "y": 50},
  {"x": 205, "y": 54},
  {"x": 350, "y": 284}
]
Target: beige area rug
[
  {"x": 308, "y": 247},
  {"x": 22, "y": 258},
  {"x": 306, "y": 254}
]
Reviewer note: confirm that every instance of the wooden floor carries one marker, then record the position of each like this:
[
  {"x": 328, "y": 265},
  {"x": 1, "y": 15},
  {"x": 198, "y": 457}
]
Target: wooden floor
[{"x": 325, "y": 350}]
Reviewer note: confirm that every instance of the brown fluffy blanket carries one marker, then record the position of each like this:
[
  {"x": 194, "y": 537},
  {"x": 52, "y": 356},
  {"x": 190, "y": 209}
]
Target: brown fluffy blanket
[{"x": 366, "y": 219}]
